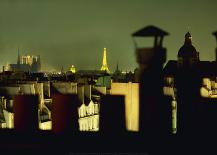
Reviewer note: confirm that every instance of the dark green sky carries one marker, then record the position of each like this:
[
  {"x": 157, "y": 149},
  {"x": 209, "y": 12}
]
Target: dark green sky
[{"x": 76, "y": 31}]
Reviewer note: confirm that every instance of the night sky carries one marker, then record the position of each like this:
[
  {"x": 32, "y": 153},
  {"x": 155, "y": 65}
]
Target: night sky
[{"x": 74, "y": 32}]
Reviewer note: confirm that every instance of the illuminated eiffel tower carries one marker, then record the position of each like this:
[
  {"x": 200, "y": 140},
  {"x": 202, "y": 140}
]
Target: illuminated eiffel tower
[{"x": 104, "y": 62}]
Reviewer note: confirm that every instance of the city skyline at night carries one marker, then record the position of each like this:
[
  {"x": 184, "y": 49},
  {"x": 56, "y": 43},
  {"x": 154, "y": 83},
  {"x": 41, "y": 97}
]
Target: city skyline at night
[
  {"x": 66, "y": 33},
  {"x": 108, "y": 77}
]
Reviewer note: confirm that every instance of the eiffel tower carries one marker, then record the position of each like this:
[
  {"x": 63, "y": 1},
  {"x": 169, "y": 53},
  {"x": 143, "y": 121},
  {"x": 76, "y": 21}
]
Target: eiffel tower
[{"x": 104, "y": 62}]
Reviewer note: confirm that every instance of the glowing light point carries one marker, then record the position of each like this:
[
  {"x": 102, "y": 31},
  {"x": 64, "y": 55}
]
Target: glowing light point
[{"x": 72, "y": 69}]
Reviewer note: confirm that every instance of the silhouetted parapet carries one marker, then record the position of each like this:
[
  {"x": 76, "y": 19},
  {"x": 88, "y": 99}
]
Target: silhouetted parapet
[
  {"x": 112, "y": 114},
  {"x": 64, "y": 113},
  {"x": 26, "y": 113}
]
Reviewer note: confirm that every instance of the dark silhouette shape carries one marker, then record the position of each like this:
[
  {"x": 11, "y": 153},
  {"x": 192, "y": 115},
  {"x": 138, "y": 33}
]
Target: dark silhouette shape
[
  {"x": 188, "y": 84},
  {"x": 196, "y": 115},
  {"x": 112, "y": 114},
  {"x": 187, "y": 55},
  {"x": 152, "y": 31},
  {"x": 208, "y": 115},
  {"x": 151, "y": 60},
  {"x": 26, "y": 113},
  {"x": 64, "y": 113},
  {"x": 215, "y": 34}
]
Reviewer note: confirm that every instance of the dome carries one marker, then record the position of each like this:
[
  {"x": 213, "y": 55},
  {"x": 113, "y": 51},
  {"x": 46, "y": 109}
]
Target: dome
[
  {"x": 72, "y": 69},
  {"x": 187, "y": 50}
]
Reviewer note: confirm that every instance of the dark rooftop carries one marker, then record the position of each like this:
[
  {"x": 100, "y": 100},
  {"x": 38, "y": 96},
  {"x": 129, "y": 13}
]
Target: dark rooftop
[
  {"x": 170, "y": 68},
  {"x": 91, "y": 73},
  {"x": 149, "y": 31},
  {"x": 207, "y": 68}
]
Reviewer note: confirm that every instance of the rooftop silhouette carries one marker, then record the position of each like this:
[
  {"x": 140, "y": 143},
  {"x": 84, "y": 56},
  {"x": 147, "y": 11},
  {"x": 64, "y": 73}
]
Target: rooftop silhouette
[
  {"x": 150, "y": 31},
  {"x": 195, "y": 114}
]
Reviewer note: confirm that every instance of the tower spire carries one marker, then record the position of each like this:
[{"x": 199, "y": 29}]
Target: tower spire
[
  {"x": 18, "y": 56},
  {"x": 104, "y": 62},
  {"x": 188, "y": 38},
  {"x": 117, "y": 68}
]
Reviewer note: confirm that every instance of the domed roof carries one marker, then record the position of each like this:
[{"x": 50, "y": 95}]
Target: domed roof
[{"x": 187, "y": 50}]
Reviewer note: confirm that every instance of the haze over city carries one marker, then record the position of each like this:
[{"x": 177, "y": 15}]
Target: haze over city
[{"x": 75, "y": 32}]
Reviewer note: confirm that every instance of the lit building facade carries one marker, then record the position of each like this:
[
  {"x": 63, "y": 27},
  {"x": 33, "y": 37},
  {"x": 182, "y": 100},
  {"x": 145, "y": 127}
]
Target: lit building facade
[
  {"x": 72, "y": 69},
  {"x": 88, "y": 111},
  {"x": 88, "y": 117},
  {"x": 26, "y": 63}
]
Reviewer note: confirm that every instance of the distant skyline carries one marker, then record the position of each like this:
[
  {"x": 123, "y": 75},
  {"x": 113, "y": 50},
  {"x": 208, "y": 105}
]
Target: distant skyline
[{"x": 74, "y": 32}]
